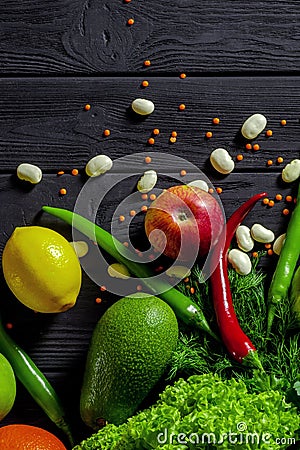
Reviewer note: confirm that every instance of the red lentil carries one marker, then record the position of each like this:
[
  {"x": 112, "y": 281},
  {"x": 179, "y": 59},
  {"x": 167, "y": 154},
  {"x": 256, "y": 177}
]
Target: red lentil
[
  {"x": 269, "y": 133},
  {"x": 278, "y": 197},
  {"x": 286, "y": 212},
  {"x": 144, "y": 196},
  {"x": 269, "y": 162},
  {"x": 87, "y": 107},
  {"x": 172, "y": 140},
  {"x": 256, "y": 147},
  {"x": 61, "y": 172},
  {"x": 147, "y": 63},
  {"x": 144, "y": 208},
  {"x": 98, "y": 300},
  {"x": 103, "y": 288},
  {"x": 183, "y": 173},
  {"x": 156, "y": 131},
  {"x": 145, "y": 83},
  {"x": 216, "y": 121},
  {"x": 152, "y": 197},
  {"x": 106, "y": 132},
  {"x": 121, "y": 218},
  {"x": 132, "y": 213},
  {"x": 63, "y": 191},
  {"x": 208, "y": 135},
  {"x": 266, "y": 201},
  {"x": 289, "y": 198},
  {"x": 248, "y": 146},
  {"x": 283, "y": 122},
  {"x": 239, "y": 157},
  {"x": 280, "y": 160},
  {"x": 219, "y": 190},
  {"x": 182, "y": 76},
  {"x": 181, "y": 107},
  {"x": 139, "y": 287},
  {"x": 255, "y": 254},
  {"x": 130, "y": 21},
  {"x": 270, "y": 252},
  {"x": 75, "y": 172},
  {"x": 271, "y": 203},
  {"x": 151, "y": 141},
  {"x": 9, "y": 325}
]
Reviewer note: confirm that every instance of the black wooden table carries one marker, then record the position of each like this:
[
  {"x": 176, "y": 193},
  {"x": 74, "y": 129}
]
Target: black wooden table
[{"x": 57, "y": 56}]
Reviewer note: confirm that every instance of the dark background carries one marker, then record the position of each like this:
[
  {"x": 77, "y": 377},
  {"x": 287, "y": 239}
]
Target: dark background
[{"x": 56, "y": 56}]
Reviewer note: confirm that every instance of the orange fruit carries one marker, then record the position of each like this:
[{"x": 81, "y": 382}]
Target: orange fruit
[{"x": 27, "y": 437}]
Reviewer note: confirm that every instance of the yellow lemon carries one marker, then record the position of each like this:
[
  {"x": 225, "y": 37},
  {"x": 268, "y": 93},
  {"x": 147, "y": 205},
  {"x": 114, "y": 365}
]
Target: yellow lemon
[
  {"x": 41, "y": 269},
  {"x": 7, "y": 387}
]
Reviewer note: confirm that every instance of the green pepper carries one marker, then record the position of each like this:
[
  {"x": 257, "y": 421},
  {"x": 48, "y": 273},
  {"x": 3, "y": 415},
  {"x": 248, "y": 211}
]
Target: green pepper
[
  {"x": 288, "y": 258},
  {"x": 34, "y": 381},
  {"x": 183, "y": 307},
  {"x": 295, "y": 296}
]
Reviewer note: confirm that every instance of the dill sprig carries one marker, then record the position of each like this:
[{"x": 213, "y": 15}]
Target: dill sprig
[{"x": 197, "y": 353}]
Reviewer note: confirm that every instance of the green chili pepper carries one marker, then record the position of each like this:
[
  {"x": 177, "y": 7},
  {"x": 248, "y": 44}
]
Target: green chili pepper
[
  {"x": 286, "y": 265},
  {"x": 295, "y": 296},
  {"x": 183, "y": 307},
  {"x": 34, "y": 381}
]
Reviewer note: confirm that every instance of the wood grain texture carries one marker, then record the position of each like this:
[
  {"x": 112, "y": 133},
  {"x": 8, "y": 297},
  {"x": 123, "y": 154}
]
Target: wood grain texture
[
  {"x": 58, "y": 342},
  {"x": 92, "y": 36},
  {"x": 43, "y": 120}
]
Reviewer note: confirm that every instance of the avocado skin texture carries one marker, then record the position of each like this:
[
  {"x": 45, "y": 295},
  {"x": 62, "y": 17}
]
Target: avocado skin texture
[{"x": 128, "y": 354}]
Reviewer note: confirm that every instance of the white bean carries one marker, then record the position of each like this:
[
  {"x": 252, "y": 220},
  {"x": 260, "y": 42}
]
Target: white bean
[
  {"x": 222, "y": 161},
  {"x": 178, "y": 272},
  {"x": 29, "y": 172},
  {"x": 262, "y": 234},
  {"x": 98, "y": 165},
  {"x": 201, "y": 184},
  {"x": 253, "y": 126},
  {"x": 291, "y": 171},
  {"x": 240, "y": 261},
  {"x": 278, "y": 243},
  {"x": 142, "y": 106},
  {"x": 147, "y": 182},
  {"x": 244, "y": 239},
  {"x": 81, "y": 248},
  {"x": 117, "y": 270}
]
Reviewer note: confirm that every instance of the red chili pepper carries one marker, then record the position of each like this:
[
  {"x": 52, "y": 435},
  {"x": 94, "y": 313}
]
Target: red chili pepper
[{"x": 235, "y": 340}]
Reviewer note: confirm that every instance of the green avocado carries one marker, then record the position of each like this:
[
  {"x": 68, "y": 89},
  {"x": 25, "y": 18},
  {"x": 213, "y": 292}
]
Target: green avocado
[{"x": 129, "y": 352}]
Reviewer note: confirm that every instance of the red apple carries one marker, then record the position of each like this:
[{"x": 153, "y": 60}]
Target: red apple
[{"x": 187, "y": 219}]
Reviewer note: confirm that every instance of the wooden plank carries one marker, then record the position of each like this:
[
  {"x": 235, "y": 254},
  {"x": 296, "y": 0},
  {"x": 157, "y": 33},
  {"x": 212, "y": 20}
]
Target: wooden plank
[
  {"x": 63, "y": 37},
  {"x": 43, "y": 121}
]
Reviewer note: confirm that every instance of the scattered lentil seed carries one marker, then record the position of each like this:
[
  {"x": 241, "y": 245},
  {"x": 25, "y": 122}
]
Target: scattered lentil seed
[
  {"x": 183, "y": 173},
  {"x": 130, "y": 21},
  {"x": 174, "y": 134},
  {"x": 286, "y": 212},
  {"x": 9, "y": 325},
  {"x": 181, "y": 107},
  {"x": 147, "y": 63},
  {"x": 219, "y": 190},
  {"x": 255, "y": 254},
  {"x": 139, "y": 287},
  {"x": 266, "y": 201},
  {"x": 145, "y": 83},
  {"x": 216, "y": 121},
  {"x": 239, "y": 157},
  {"x": 151, "y": 141},
  {"x": 144, "y": 196},
  {"x": 278, "y": 197},
  {"x": 186, "y": 280},
  {"x": 75, "y": 172},
  {"x": 182, "y": 76},
  {"x": 269, "y": 133},
  {"x": 289, "y": 198},
  {"x": 210, "y": 190},
  {"x": 172, "y": 140},
  {"x": 208, "y": 134},
  {"x": 106, "y": 132},
  {"x": 248, "y": 146},
  {"x": 148, "y": 159},
  {"x": 156, "y": 131},
  {"x": 87, "y": 107},
  {"x": 127, "y": 1},
  {"x": 103, "y": 288},
  {"x": 121, "y": 218},
  {"x": 271, "y": 203},
  {"x": 132, "y": 213},
  {"x": 270, "y": 252},
  {"x": 125, "y": 244},
  {"x": 280, "y": 160},
  {"x": 192, "y": 290},
  {"x": 269, "y": 162},
  {"x": 63, "y": 191},
  {"x": 61, "y": 172},
  {"x": 144, "y": 208},
  {"x": 256, "y": 147},
  {"x": 283, "y": 122},
  {"x": 268, "y": 246},
  {"x": 98, "y": 300},
  {"x": 152, "y": 197}
]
